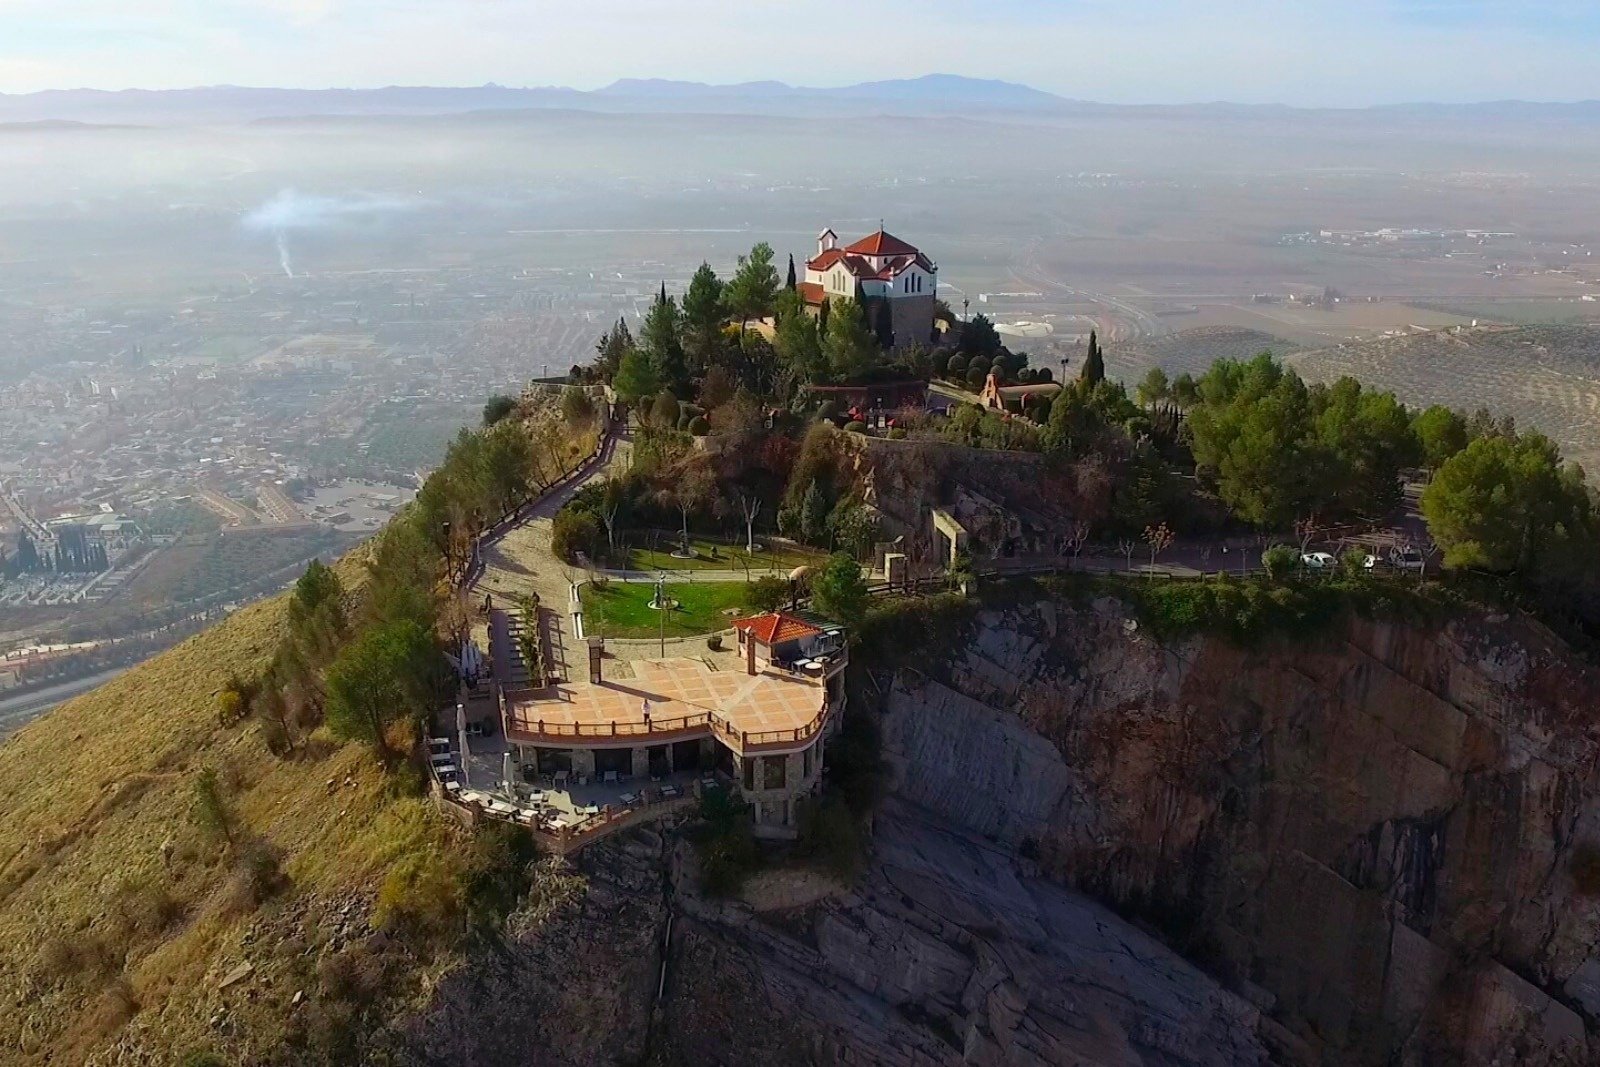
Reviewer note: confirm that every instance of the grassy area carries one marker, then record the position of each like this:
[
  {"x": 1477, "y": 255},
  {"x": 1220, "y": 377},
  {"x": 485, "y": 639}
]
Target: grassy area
[
  {"x": 712, "y": 556},
  {"x": 622, "y": 609},
  {"x": 121, "y": 913}
]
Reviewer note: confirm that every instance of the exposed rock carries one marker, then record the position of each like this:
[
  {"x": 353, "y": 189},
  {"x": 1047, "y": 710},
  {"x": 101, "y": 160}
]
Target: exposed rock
[{"x": 1375, "y": 828}]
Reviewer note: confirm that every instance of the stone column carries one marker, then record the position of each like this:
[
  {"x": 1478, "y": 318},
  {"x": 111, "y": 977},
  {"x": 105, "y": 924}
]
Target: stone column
[
  {"x": 641, "y": 762},
  {"x": 583, "y": 761}
]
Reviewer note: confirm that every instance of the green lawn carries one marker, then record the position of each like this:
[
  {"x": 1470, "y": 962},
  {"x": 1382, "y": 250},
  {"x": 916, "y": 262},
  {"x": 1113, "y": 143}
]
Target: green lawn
[
  {"x": 622, "y": 609},
  {"x": 775, "y": 557}
]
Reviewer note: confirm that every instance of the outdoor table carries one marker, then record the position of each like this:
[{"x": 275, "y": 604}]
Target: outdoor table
[
  {"x": 669, "y": 791},
  {"x": 500, "y": 807},
  {"x": 630, "y": 798}
]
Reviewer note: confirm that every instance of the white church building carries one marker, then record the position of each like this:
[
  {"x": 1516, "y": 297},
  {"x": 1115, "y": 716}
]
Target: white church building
[{"x": 878, "y": 268}]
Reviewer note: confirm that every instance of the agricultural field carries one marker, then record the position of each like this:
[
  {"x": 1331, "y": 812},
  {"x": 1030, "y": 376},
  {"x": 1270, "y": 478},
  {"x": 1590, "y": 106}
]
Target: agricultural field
[
  {"x": 1547, "y": 377},
  {"x": 1192, "y": 350},
  {"x": 622, "y": 609}
]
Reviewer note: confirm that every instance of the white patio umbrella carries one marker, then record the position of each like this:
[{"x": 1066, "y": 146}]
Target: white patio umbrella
[
  {"x": 461, "y": 732},
  {"x": 505, "y": 772}
]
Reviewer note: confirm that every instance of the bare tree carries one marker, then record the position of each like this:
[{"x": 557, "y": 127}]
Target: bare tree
[
  {"x": 1158, "y": 538},
  {"x": 749, "y": 507},
  {"x": 1077, "y": 537},
  {"x": 1126, "y": 546},
  {"x": 1305, "y": 531}
]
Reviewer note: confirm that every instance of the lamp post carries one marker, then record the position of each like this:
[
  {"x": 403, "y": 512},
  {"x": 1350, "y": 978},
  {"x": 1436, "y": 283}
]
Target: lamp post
[{"x": 661, "y": 608}]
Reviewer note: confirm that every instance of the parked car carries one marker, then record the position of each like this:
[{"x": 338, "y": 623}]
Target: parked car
[
  {"x": 1406, "y": 558},
  {"x": 1318, "y": 561}
]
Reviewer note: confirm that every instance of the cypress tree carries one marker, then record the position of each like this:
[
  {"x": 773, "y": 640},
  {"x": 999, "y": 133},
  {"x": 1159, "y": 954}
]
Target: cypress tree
[
  {"x": 883, "y": 324},
  {"x": 792, "y": 281},
  {"x": 1094, "y": 365},
  {"x": 822, "y": 315}
]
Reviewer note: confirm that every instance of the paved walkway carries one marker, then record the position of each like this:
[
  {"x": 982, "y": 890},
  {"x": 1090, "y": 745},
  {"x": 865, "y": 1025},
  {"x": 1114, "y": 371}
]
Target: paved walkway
[{"x": 518, "y": 561}]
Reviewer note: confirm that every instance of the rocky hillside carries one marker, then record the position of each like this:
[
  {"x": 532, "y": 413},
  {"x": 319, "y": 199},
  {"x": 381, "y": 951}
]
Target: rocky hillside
[{"x": 1388, "y": 840}]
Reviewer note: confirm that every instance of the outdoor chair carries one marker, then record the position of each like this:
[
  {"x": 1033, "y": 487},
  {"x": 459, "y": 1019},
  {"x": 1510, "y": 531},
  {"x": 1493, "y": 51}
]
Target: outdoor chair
[{"x": 611, "y": 778}]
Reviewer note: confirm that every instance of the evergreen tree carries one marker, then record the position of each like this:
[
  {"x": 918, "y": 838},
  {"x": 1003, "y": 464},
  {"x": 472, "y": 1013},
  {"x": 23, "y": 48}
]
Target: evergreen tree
[
  {"x": 1094, "y": 365},
  {"x": 799, "y": 346},
  {"x": 754, "y": 286},
  {"x": 849, "y": 347},
  {"x": 813, "y": 514},
  {"x": 636, "y": 377},
  {"x": 823, "y": 314},
  {"x": 703, "y": 314},
  {"x": 661, "y": 337},
  {"x": 839, "y": 590},
  {"x": 614, "y": 344},
  {"x": 883, "y": 323},
  {"x": 978, "y": 337},
  {"x": 791, "y": 282}
]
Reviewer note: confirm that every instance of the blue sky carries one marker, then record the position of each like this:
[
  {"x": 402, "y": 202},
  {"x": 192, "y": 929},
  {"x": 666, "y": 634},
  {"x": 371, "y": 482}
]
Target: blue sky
[{"x": 1314, "y": 52}]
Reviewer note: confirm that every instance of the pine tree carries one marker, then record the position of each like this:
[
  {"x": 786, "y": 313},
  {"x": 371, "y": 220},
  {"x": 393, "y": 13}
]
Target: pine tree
[
  {"x": 703, "y": 314},
  {"x": 1094, "y": 364},
  {"x": 848, "y": 344},
  {"x": 754, "y": 285},
  {"x": 661, "y": 338}
]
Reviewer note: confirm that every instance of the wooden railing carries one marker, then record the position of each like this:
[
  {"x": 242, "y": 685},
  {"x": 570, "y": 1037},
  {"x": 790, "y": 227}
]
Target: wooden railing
[
  {"x": 742, "y": 741},
  {"x": 516, "y": 724}
]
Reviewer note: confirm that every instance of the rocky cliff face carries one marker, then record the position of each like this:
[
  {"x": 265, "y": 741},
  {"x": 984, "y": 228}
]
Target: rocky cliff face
[
  {"x": 1382, "y": 839},
  {"x": 949, "y": 951}
]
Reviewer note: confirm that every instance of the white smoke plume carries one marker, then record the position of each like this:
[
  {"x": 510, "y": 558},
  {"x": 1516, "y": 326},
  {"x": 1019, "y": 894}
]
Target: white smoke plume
[{"x": 290, "y": 211}]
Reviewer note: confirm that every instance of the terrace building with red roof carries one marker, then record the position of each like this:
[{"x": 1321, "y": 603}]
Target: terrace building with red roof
[
  {"x": 758, "y": 719},
  {"x": 895, "y": 282}
]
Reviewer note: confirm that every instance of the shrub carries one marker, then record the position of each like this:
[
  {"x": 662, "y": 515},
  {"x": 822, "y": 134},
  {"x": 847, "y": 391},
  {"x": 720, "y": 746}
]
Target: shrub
[
  {"x": 830, "y": 838},
  {"x": 855, "y": 426},
  {"x": 975, "y": 378},
  {"x": 497, "y": 408},
  {"x": 497, "y": 871},
  {"x": 897, "y": 434},
  {"x": 956, "y": 368},
  {"x": 699, "y": 426},
  {"x": 714, "y": 643},
  {"x": 257, "y": 877},
  {"x": 1280, "y": 562},
  {"x": 423, "y": 895},
  {"x": 354, "y": 974},
  {"x": 828, "y": 410},
  {"x": 664, "y": 410},
  {"x": 576, "y": 407},
  {"x": 726, "y": 844},
  {"x": 574, "y": 531},
  {"x": 767, "y": 593}
]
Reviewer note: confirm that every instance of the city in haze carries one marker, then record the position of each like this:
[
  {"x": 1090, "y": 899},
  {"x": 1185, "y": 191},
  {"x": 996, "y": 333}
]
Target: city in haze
[{"x": 1011, "y": 532}]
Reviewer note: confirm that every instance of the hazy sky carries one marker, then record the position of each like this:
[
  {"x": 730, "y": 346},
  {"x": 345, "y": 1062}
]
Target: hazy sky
[{"x": 1335, "y": 52}]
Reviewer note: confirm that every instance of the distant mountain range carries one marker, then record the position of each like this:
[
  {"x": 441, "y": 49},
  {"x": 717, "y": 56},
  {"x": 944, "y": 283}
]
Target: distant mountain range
[{"x": 933, "y": 94}]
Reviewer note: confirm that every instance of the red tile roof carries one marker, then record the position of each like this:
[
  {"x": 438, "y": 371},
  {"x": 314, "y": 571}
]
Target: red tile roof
[
  {"x": 826, "y": 260},
  {"x": 811, "y": 292},
  {"x": 881, "y": 243},
  {"x": 774, "y": 628}
]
